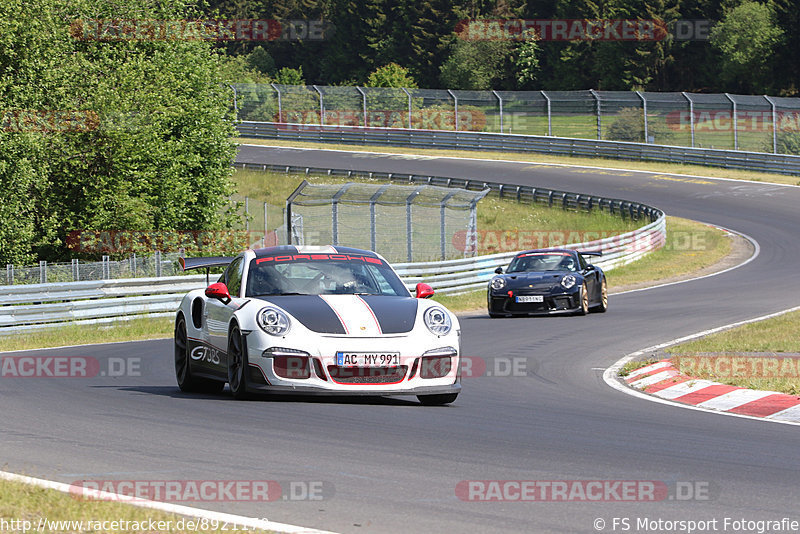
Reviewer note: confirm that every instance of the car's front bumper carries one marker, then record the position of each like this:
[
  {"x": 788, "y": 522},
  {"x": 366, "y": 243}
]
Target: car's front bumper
[
  {"x": 317, "y": 373},
  {"x": 552, "y": 304}
]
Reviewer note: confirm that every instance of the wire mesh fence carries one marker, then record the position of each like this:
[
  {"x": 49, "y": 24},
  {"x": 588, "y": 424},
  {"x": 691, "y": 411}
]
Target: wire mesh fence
[
  {"x": 403, "y": 223},
  {"x": 722, "y": 121}
]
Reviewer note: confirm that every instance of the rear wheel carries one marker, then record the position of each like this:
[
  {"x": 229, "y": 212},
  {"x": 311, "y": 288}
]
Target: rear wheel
[
  {"x": 437, "y": 400},
  {"x": 584, "y": 296},
  {"x": 183, "y": 370},
  {"x": 603, "y": 306},
  {"x": 237, "y": 364}
]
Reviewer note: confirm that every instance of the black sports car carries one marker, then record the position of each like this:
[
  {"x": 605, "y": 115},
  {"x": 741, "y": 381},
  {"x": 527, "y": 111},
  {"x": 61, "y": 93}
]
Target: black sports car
[{"x": 546, "y": 282}]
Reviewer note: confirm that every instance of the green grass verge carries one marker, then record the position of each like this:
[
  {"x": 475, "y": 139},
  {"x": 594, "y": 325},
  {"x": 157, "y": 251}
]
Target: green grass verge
[
  {"x": 612, "y": 164},
  {"x": 23, "y": 502},
  {"x": 777, "y": 335},
  {"x": 632, "y": 365},
  {"x": 79, "y": 334}
]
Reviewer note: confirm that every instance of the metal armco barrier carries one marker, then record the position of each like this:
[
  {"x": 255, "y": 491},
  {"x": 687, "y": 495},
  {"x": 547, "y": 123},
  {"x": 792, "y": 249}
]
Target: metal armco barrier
[
  {"x": 731, "y": 159},
  {"x": 38, "y": 306}
]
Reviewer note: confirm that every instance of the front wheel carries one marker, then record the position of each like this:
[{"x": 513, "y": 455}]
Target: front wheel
[
  {"x": 603, "y": 306},
  {"x": 584, "y": 296},
  {"x": 437, "y": 400},
  {"x": 237, "y": 364}
]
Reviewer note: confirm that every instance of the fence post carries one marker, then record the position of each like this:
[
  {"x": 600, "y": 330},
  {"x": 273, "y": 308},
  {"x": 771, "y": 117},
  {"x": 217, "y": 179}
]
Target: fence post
[
  {"x": 42, "y": 272},
  {"x": 409, "y": 240},
  {"x": 735, "y": 121},
  {"x": 321, "y": 106},
  {"x": 774, "y": 125},
  {"x": 247, "y": 214},
  {"x": 691, "y": 115},
  {"x": 280, "y": 108},
  {"x": 235, "y": 102},
  {"x": 644, "y": 112},
  {"x": 409, "y": 106},
  {"x": 157, "y": 258},
  {"x": 106, "y": 268},
  {"x": 75, "y": 273},
  {"x": 442, "y": 219},
  {"x": 500, "y": 100},
  {"x": 264, "y": 241},
  {"x": 455, "y": 107},
  {"x": 373, "y": 231},
  {"x": 133, "y": 262},
  {"x": 549, "y": 118},
  {"x": 597, "y": 104},
  {"x": 10, "y": 274},
  {"x": 363, "y": 103}
]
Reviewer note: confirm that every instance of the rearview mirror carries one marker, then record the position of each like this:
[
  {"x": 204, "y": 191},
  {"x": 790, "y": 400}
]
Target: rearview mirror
[
  {"x": 219, "y": 291},
  {"x": 424, "y": 291}
]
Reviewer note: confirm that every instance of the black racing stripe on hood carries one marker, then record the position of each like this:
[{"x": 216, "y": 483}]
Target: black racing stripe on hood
[
  {"x": 396, "y": 315},
  {"x": 313, "y": 312}
]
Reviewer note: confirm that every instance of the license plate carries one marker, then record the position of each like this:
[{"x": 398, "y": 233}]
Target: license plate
[
  {"x": 367, "y": 359},
  {"x": 530, "y": 298}
]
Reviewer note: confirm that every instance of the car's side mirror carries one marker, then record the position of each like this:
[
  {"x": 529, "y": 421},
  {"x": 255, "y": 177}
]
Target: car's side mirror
[
  {"x": 589, "y": 267},
  {"x": 219, "y": 291},
  {"x": 424, "y": 291},
  {"x": 499, "y": 270}
]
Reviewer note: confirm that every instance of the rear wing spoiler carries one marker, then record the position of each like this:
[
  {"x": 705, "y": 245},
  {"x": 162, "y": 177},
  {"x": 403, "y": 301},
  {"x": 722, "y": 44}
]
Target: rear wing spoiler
[
  {"x": 207, "y": 263},
  {"x": 591, "y": 253}
]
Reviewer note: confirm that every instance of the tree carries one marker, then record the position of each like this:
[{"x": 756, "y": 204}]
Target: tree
[
  {"x": 474, "y": 65},
  {"x": 526, "y": 62},
  {"x": 391, "y": 75},
  {"x": 119, "y": 133},
  {"x": 746, "y": 37}
]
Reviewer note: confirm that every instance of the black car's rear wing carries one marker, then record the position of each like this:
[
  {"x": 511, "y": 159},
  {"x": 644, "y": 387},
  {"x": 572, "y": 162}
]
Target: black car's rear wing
[
  {"x": 591, "y": 253},
  {"x": 204, "y": 263}
]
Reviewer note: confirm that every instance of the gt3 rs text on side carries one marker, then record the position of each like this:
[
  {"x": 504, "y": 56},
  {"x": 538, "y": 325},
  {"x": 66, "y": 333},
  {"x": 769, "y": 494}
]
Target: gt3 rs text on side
[
  {"x": 548, "y": 282},
  {"x": 315, "y": 320}
]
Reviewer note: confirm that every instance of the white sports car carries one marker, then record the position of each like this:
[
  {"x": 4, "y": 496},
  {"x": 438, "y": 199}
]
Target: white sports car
[{"x": 315, "y": 320}]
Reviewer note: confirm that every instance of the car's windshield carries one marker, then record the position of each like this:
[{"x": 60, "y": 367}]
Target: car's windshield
[
  {"x": 543, "y": 261},
  {"x": 322, "y": 274}
]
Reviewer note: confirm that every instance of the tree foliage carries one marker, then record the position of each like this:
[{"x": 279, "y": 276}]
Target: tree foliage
[
  {"x": 153, "y": 151},
  {"x": 745, "y": 37}
]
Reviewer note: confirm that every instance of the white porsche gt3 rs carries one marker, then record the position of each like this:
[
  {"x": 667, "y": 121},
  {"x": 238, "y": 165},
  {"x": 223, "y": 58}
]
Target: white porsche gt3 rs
[{"x": 315, "y": 320}]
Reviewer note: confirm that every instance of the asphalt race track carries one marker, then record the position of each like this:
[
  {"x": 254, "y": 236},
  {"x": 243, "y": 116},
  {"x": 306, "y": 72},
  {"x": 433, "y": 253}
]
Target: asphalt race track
[{"x": 392, "y": 465}]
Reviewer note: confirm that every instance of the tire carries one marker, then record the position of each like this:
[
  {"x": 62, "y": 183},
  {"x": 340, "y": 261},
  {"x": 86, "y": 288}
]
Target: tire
[
  {"x": 237, "y": 364},
  {"x": 584, "y": 309},
  {"x": 603, "y": 306},
  {"x": 437, "y": 400},
  {"x": 183, "y": 370}
]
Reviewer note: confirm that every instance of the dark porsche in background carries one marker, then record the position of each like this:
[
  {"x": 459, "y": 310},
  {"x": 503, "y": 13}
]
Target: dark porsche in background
[{"x": 548, "y": 282}]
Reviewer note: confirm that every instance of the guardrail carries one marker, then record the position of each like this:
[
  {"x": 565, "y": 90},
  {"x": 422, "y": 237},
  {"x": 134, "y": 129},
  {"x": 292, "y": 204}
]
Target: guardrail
[
  {"x": 38, "y": 306},
  {"x": 731, "y": 159}
]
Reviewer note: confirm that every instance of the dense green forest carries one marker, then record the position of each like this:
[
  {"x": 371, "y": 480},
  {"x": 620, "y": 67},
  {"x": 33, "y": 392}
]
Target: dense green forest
[
  {"x": 134, "y": 132},
  {"x": 736, "y": 46}
]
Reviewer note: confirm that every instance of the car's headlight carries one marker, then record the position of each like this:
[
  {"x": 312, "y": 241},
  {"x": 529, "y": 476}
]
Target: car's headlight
[
  {"x": 438, "y": 321},
  {"x": 568, "y": 281},
  {"x": 498, "y": 283},
  {"x": 273, "y": 321}
]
